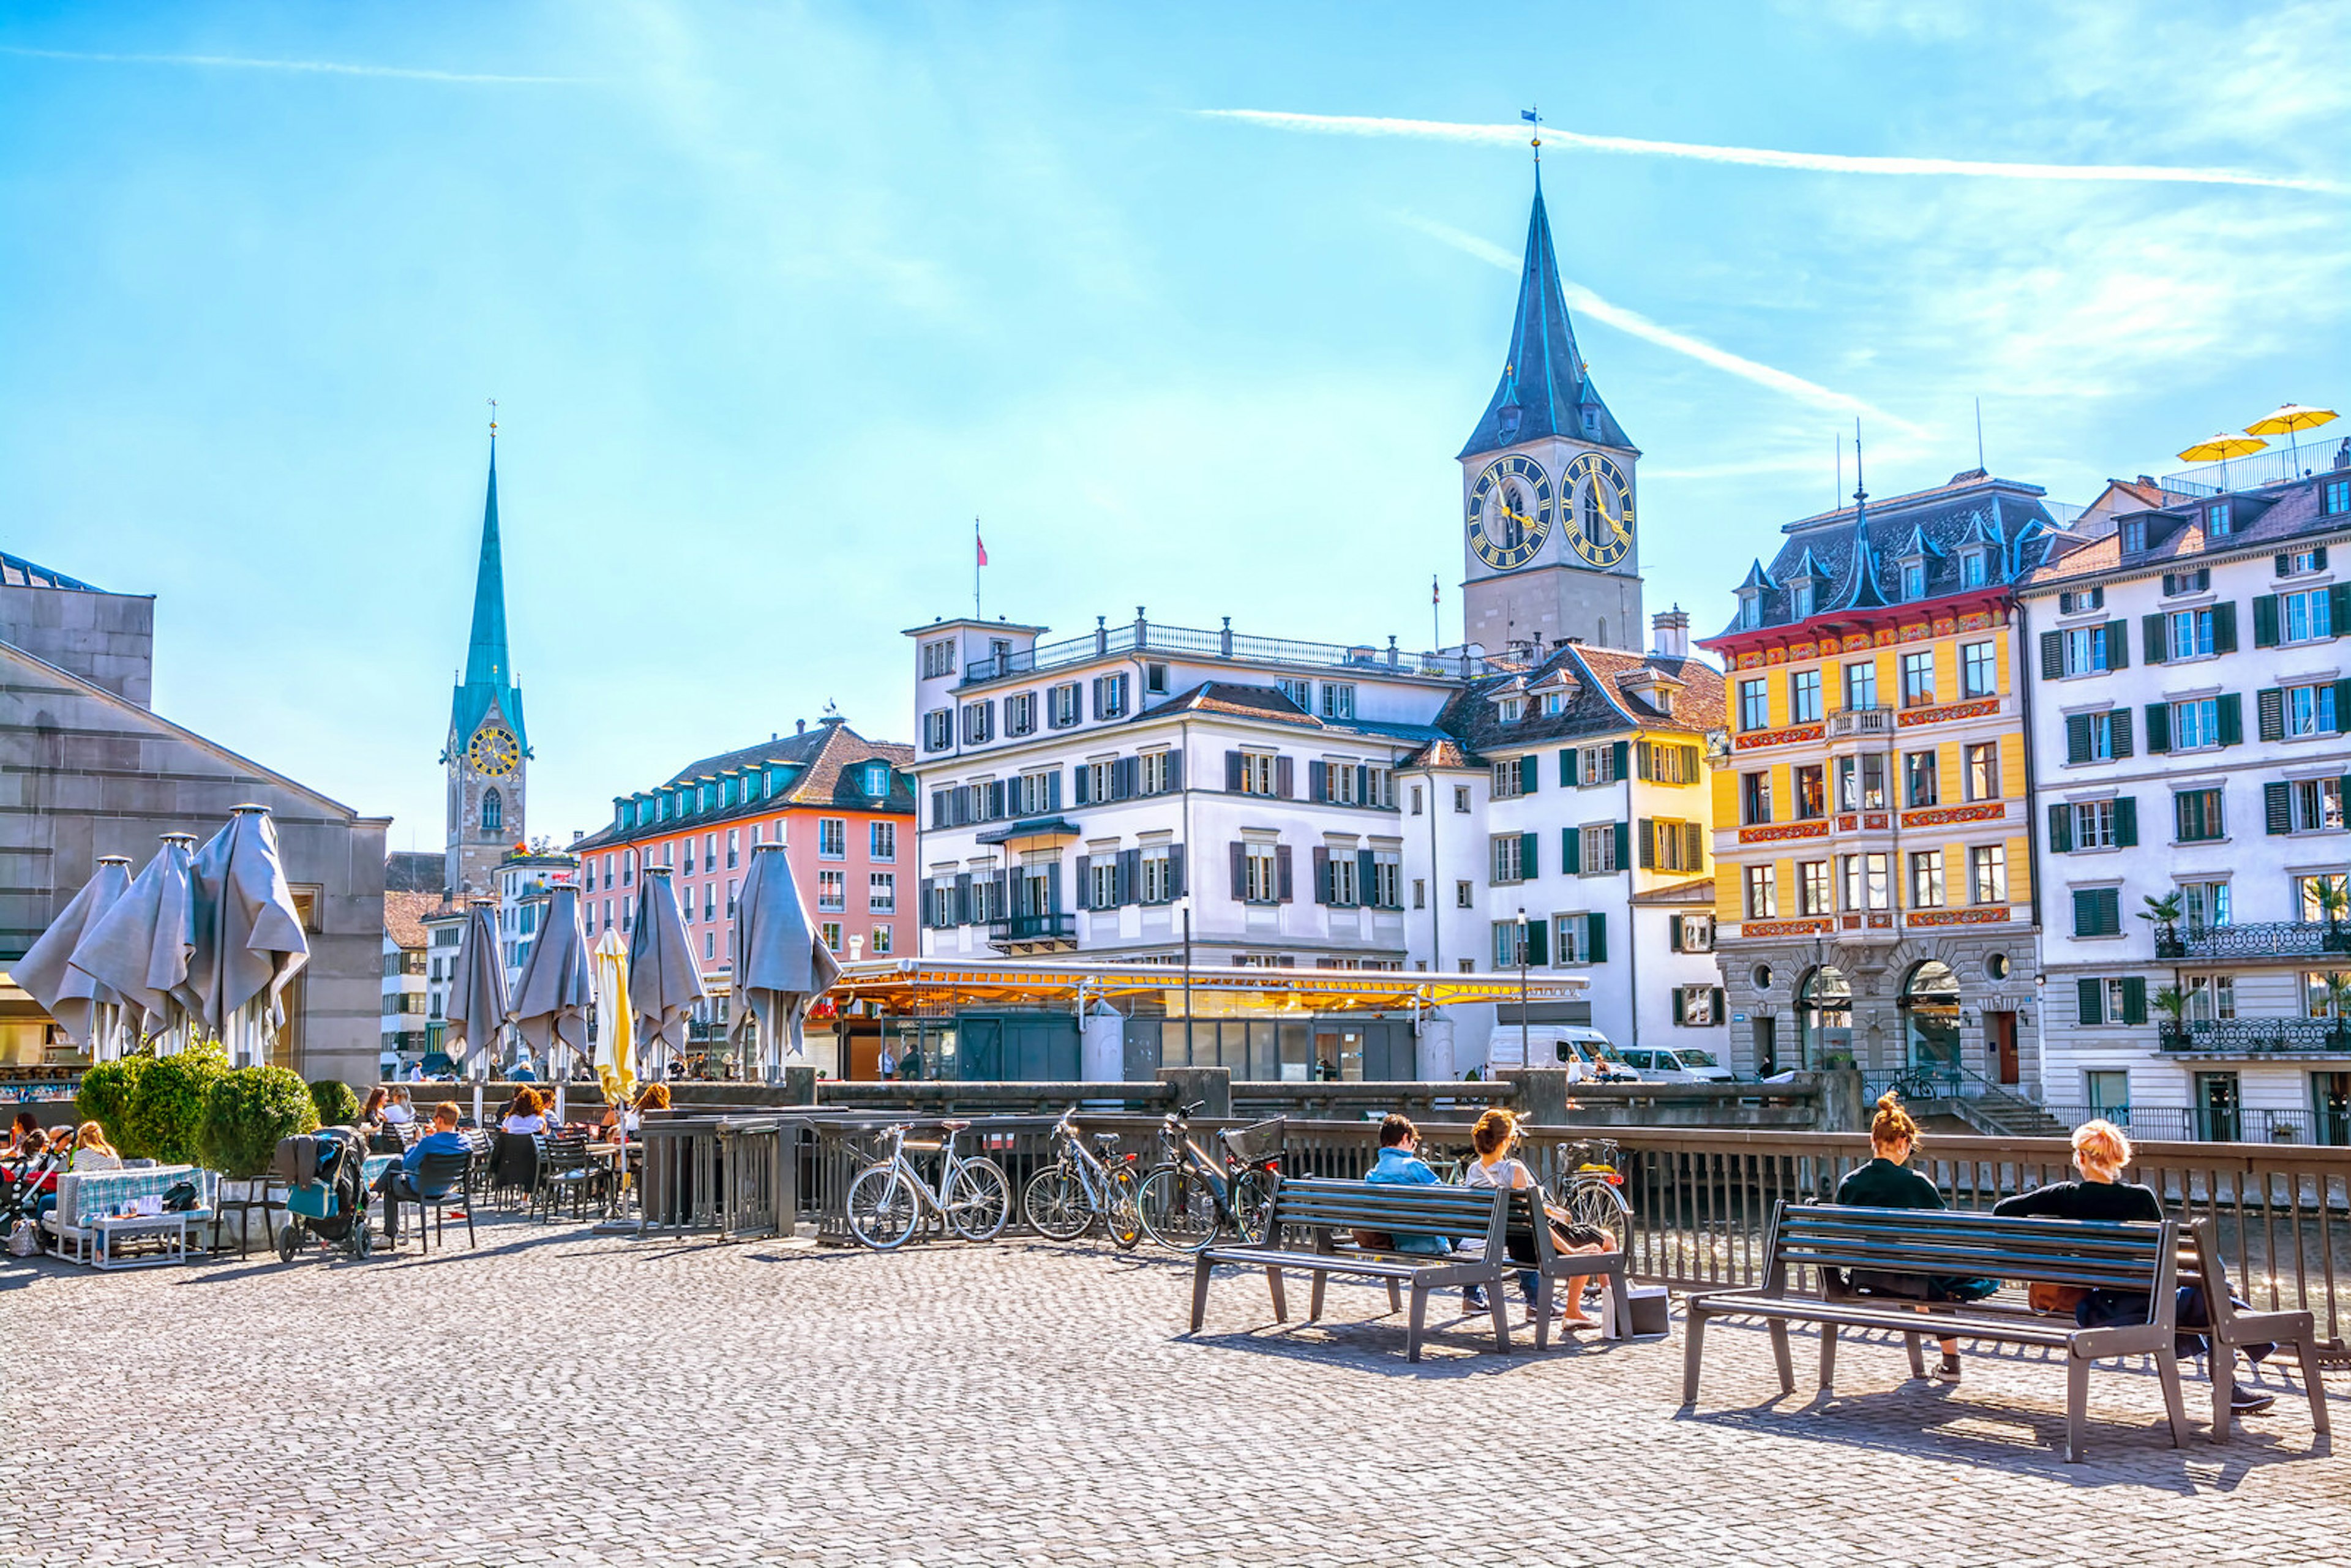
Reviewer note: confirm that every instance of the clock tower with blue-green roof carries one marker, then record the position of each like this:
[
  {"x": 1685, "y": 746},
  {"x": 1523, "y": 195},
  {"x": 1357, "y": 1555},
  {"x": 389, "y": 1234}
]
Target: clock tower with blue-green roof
[
  {"x": 1549, "y": 539},
  {"x": 487, "y": 750}
]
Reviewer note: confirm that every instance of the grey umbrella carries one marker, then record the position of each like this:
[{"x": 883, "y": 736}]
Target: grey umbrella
[
  {"x": 85, "y": 1006},
  {"x": 663, "y": 980},
  {"x": 780, "y": 963},
  {"x": 249, "y": 941},
  {"x": 141, "y": 945},
  {"x": 551, "y": 999},
  {"x": 477, "y": 992}
]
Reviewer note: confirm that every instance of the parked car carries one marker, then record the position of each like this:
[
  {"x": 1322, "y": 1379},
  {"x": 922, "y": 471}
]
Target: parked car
[
  {"x": 1681, "y": 1064},
  {"x": 1556, "y": 1045}
]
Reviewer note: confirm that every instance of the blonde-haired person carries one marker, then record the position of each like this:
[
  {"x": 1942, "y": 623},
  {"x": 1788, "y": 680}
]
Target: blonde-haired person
[
  {"x": 92, "y": 1152},
  {"x": 1495, "y": 1133},
  {"x": 1889, "y": 1182}
]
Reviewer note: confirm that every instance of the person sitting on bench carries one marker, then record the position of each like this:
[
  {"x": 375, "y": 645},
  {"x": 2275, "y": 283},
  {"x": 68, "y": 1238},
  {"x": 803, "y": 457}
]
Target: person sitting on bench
[
  {"x": 1400, "y": 1163},
  {"x": 1887, "y": 1182},
  {"x": 399, "y": 1179},
  {"x": 1493, "y": 1137},
  {"x": 2101, "y": 1153}
]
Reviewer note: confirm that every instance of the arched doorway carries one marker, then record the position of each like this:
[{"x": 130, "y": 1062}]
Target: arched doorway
[
  {"x": 1825, "y": 1017},
  {"x": 1930, "y": 1015}
]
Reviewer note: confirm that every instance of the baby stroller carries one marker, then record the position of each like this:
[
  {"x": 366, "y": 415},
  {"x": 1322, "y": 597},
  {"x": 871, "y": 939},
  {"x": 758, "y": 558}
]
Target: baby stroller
[{"x": 325, "y": 1196}]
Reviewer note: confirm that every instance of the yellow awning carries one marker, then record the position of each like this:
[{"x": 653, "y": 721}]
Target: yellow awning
[{"x": 937, "y": 984}]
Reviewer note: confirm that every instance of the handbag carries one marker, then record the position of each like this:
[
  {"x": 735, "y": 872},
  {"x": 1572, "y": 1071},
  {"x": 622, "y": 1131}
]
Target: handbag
[
  {"x": 24, "y": 1241},
  {"x": 2052, "y": 1299},
  {"x": 180, "y": 1197}
]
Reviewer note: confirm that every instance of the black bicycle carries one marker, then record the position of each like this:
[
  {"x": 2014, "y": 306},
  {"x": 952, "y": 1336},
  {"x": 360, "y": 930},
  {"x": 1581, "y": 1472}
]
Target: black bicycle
[
  {"x": 1082, "y": 1186},
  {"x": 1189, "y": 1197}
]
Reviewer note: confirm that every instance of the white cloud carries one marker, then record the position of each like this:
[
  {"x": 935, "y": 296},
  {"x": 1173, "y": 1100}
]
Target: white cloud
[
  {"x": 315, "y": 68},
  {"x": 1761, "y": 157},
  {"x": 1639, "y": 326}
]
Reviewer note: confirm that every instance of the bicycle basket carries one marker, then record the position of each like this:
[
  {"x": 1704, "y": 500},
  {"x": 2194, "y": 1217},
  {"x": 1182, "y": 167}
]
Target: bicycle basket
[{"x": 1258, "y": 1141}]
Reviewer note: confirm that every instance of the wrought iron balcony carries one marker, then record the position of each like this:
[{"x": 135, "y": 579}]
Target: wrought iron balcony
[
  {"x": 2260, "y": 939},
  {"x": 2256, "y": 1035},
  {"x": 1861, "y": 721},
  {"x": 1030, "y": 932}
]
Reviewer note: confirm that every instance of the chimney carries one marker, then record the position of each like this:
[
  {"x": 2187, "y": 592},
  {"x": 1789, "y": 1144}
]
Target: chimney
[
  {"x": 1671, "y": 628},
  {"x": 799, "y": 726}
]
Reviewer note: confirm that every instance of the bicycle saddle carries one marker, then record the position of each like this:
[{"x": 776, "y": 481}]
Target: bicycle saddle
[
  {"x": 1107, "y": 1140},
  {"x": 954, "y": 1126}
]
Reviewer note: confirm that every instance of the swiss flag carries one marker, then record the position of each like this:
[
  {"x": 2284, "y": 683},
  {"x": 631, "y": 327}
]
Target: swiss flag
[{"x": 982, "y": 546}]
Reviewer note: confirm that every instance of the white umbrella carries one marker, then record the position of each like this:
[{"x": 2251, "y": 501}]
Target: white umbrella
[
  {"x": 781, "y": 964},
  {"x": 551, "y": 999},
  {"x": 616, "y": 1048},
  {"x": 141, "y": 945},
  {"x": 249, "y": 941},
  {"x": 89, "y": 1011},
  {"x": 665, "y": 981},
  {"x": 478, "y": 996}
]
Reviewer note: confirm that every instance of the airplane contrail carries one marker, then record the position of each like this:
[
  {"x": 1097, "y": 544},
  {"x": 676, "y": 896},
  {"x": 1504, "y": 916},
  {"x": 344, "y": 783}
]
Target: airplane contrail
[
  {"x": 320, "y": 67},
  {"x": 1761, "y": 157}
]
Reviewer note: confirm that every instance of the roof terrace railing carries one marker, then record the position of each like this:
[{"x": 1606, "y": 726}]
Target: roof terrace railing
[
  {"x": 1140, "y": 636},
  {"x": 2275, "y": 466}
]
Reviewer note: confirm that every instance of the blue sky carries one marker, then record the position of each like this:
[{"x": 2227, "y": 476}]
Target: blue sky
[{"x": 776, "y": 299}]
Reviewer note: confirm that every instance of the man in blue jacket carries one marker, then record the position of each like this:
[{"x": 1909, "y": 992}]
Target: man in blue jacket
[{"x": 399, "y": 1181}]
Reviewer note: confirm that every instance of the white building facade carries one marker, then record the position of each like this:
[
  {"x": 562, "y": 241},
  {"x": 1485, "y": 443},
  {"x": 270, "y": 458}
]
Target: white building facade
[{"x": 2191, "y": 729}]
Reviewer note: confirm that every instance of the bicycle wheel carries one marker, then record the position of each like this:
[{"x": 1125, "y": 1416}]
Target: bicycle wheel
[
  {"x": 1252, "y": 1203},
  {"x": 883, "y": 1207},
  {"x": 1056, "y": 1205},
  {"x": 979, "y": 1200},
  {"x": 1177, "y": 1208},
  {"x": 1597, "y": 1203},
  {"x": 1124, "y": 1222}
]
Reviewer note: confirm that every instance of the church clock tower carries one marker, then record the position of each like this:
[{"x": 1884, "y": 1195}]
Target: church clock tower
[
  {"x": 1549, "y": 542},
  {"x": 487, "y": 752}
]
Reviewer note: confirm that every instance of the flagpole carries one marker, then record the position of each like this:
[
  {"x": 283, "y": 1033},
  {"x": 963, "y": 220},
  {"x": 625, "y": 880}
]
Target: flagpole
[
  {"x": 975, "y": 569},
  {"x": 1436, "y": 625}
]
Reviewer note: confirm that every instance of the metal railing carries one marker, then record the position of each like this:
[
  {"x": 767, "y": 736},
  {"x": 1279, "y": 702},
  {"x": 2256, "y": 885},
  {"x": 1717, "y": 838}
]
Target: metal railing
[
  {"x": 1061, "y": 927},
  {"x": 1877, "y": 720},
  {"x": 2275, "y": 466},
  {"x": 739, "y": 1177},
  {"x": 2332, "y": 1035},
  {"x": 1144, "y": 637},
  {"x": 2256, "y": 939},
  {"x": 2238, "y": 1124}
]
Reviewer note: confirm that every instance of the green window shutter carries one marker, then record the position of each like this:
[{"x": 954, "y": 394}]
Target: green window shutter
[
  {"x": 2061, "y": 829},
  {"x": 1595, "y": 937},
  {"x": 2115, "y": 636},
  {"x": 1693, "y": 848},
  {"x": 2343, "y": 706},
  {"x": 2224, "y": 628},
  {"x": 1719, "y": 1016},
  {"x": 2052, "y": 656},
  {"x": 2280, "y": 564},
  {"x": 2087, "y": 993},
  {"x": 2077, "y": 737},
  {"x": 2230, "y": 708},
  {"x": 1623, "y": 845},
  {"x": 1646, "y": 830},
  {"x": 1618, "y": 762},
  {"x": 2338, "y": 609},
  {"x": 2269, "y": 713},
  {"x": 2134, "y": 998},
  {"x": 1674, "y": 933},
  {"x": 1538, "y": 944},
  {"x": 2265, "y": 621},
  {"x": 2150, "y": 638},
  {"x": 2277, "y": 809},
  {"x": 1566, "y": 765},
  {"x": 2127, "y": 820},
  {"x": 2158, "y": 727},
  {"x": 1571, "y": 851},
  {"x": 2120, "y": 722},
  {"x": 1530, "y": 854},
  {"x": 1530, "y": 773}
]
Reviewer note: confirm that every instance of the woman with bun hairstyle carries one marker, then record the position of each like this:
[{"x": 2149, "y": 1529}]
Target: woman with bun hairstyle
[{"x": 1889, "y": 1182}]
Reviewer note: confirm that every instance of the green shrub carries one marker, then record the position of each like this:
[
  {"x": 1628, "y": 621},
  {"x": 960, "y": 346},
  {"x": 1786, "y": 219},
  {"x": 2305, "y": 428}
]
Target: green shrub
[
  {"x": 338, "y": 1104},
  {"x": 246, "y": 1111},
  {"x": 105, "y": 1096},
  {"x": 168, "y": 1108}
]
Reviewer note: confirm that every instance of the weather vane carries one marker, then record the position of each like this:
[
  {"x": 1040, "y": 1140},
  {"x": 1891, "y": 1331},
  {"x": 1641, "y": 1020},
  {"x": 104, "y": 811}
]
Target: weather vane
[
  {"x": 494, "y": 419},
  {"x": 1534, "y": 117}
]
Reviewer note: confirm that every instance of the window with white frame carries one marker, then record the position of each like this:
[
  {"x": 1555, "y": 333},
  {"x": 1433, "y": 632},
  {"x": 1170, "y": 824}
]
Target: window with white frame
[
  {"x": 881, "y": 840},
  {"x": 1101, "y": 882},
  {"x": 2211, "y": 998},
  {"x": 1154, "y": 773},
  {"x": 1554, "y": 704},
  {"x": 1257, "y": 772},
  {"x": 1032, "y": 793},
  {"x": 1100, "y": 778},
  {"x": 1925, "y": 879},
  {"x": 1506, "y": 858},
  {"x": 938, "y": 658},
  {"x": 1461, "y": 800},
  {"x": 1804, "y": 696},
  {"x": 2217, "y": 519},
  {"x": 1301, "y": 692},
  {"x": 1340, "y": 776},
  {"x": 1597, "y": 849},
  {"x": 1113, "y": 698},
  {"x": 1762, "y": 893},
  {"x": 1814, "y": 892},
  {"x": 938, "y": 732},
  {"x": 979, "y": 721},
  {"x": 1156, "y": 867},
  {"x": 2195, "y": 724},
  {"x": 1597, "y": 765},
  {"x": 2310, "y": 894},
  {"x": 1388, "y": 878},
  {"x": 1465, "y": 894},
  {"x": 2084, "y": 650},
  {"x": 1338, "y": 699},
  {"x": 2094, "y": 824},
  {"x": 1020, "y": 712},
  {"x": 2304, "y": 617},
  {"x": 1062, "y": 706},
  {"x": 1343, "y": 868},
  {"x": 1754, "y": 705},
  {"x": 1261, "y": 875},
  {"x": 2310, "y": 710},
  {"x": 1987, "y": 874},
  {"x": 1981, "y": 769},
  {"x": 880, "y": 946},
  {"x": 1510, "y": 944},
  {"x": 1918, "y": 678},
  {"x": 1379, "y": 787},
  {"x": 832, "y": 890},
  {"x": 1979, "y": 669},
  {"x": 1511, "y": 709},
  {"x": 2203, "y": 905},
  {"x": 1694, "y": 1005},
  {"x": 2317, "y": 805},
  {"x": 1861, "y": 684},
  {"x": 829, "y": 932},
  {"x": 2188, "y": 634},
  {"x": 1868, "y": 882},
  {"x": 882, "y": 893},
  {"x": 832, "y": 838}
]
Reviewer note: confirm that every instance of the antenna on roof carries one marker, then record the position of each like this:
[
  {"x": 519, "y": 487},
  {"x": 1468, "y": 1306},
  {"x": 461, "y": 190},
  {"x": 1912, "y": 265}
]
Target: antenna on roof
[{"x": 1979, "y": 462}]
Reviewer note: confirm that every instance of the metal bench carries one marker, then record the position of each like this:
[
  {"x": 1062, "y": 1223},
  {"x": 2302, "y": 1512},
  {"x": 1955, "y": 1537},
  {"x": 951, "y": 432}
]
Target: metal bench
[
  {"x": 2128, "y": 1258},
  {"x": 2231, "y": 1331},
  {"x": 1304, "y": 1235}
]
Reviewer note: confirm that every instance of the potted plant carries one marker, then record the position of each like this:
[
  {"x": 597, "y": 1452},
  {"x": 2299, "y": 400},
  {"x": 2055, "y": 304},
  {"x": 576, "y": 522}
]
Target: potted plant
[
  {"x": 105, "y": 1096},
  {"x": 246, "y": 1111},
  {"x": 2172, "y": 1003},
  {"x": 168, "y": 1107},
  {"x": 2338, "y": 1008},
  {"x": 2163, "y": 913},
  {"x": 337, "y": 1105},
  {"x": 2333, "y": 902}
]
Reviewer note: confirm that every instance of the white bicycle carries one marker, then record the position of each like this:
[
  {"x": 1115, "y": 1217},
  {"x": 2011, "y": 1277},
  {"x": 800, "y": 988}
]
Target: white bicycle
[{"x": 889, "y": 1197}]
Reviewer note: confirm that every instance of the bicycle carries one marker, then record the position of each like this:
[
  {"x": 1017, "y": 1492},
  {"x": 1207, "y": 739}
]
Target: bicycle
[
  {"x": 887, "y": 1200},
  {"x": 1187, "y": 1197},
  {"x": 1594, "y": 1192},
  {"x": 1063, "y": 1200}
]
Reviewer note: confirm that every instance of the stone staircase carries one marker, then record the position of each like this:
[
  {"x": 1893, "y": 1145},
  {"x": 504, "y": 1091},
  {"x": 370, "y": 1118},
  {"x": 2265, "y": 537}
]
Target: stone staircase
[{"x": 1998, "y": 1113}]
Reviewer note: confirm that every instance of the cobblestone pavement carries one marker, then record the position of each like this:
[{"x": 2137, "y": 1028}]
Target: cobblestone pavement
[{"x": 559, "y": 1396}]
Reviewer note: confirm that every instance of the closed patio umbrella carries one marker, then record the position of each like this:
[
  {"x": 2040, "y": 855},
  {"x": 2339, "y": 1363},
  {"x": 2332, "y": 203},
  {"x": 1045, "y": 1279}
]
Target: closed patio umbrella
[
  {"x": 616, "y": 1049},
  {"x": 88, "y": 1010},
  {"x": 663, "y": 980},
  {"x": 551, "y": 999},
  {"x": 249, "y": 941},
  {"x": 780, "y": 963},
  {"x": 141, "y": 945},
  {"x": 478, "y": 996}
]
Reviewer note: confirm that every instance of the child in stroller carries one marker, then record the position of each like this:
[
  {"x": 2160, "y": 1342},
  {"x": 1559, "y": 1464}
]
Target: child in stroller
[{"x": 325, "y": 1196}]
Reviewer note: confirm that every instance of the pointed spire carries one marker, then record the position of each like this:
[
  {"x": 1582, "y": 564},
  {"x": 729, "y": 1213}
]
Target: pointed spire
[
  {"x": 1862, "y": 591},
  {"x": 1543, "y": 375},
  {"x": 486, "y": 652}
]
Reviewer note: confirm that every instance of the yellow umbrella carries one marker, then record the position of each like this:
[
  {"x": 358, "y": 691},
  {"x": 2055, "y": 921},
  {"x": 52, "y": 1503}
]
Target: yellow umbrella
[
  {"x": 2289, "y": 421},
  {"x": 2220, "y": 448}
]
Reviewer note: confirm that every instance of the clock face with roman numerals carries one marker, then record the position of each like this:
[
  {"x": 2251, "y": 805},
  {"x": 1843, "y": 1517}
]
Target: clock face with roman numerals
[
  {"x": 1599, "y": 501},
  {"x": 493, "y": 751},
  {"x": 1510, "y": 511}
]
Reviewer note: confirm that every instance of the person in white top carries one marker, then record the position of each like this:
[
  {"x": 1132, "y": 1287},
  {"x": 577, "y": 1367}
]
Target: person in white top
[
  {"x": 1494, "y": 1135},
  {"x": 92, "y": 1152},
  {"x": 526, "y": 1114},
  {"x": 396, "y": 1111}
]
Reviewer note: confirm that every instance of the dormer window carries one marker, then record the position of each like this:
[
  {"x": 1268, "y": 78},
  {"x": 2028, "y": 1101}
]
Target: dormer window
[
  {"x": 1800, "y": 605},
  {"x": 1750, "y": 610},
  {"x": 877, "y": 778},
  {"x": 1513, "y": 709},
  {"x": 1914, "y": 579},
  {"x": 2216, "y": 521},
  {"x": 1975, "y": 567},
  {"x": 1554, "y": 704},
  {"x": 2134, "y": 534}
]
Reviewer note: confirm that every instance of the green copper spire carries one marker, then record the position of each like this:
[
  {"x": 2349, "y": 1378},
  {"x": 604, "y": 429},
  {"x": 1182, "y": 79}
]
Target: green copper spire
[{"x": 489, "y": 670}]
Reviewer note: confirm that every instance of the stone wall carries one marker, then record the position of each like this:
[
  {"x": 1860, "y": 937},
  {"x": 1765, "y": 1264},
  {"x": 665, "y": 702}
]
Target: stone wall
[{"x": 107, "y": 639}]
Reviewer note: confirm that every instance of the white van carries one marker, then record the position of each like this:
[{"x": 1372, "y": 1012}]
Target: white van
[
  {"x": 1683, "y": 1064},
  {"x": 1553, "y": 1045}
]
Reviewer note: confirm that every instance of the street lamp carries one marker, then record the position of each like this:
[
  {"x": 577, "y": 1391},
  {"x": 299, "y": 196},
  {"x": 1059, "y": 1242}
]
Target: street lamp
[
  {"x": 1525, "y": 1059},
  {"x": 1185, "y": 905}
]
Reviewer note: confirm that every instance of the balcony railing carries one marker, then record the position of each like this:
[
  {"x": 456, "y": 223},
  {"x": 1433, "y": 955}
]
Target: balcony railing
[
  {"x": 2214, "y": 1124},
  {"x": 1861, "y": 721},
  {"x": 1020, "y": 929},
  {"x": 2259, "y": 939},
  {"x": 2256, "y": 1034},
  {"x": 2275, "y": 466},
  {"x": 1146, "y": 637}
]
